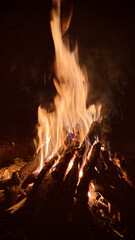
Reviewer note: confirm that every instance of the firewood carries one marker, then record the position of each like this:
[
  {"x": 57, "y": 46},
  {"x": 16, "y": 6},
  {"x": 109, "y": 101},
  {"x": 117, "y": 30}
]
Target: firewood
[
  {"x": 46, "y": 191},
  {"x": 81, "y": 214},
  {"x": 122, "y": 172},
  {"x": 16, "y": 206},
  {"x": 54, "y": 178},
  {"x": 60, "y": 213},
  {"x": 94, "y": 131},
  {"x": 51, "y": 177},
  {"x": 87, "y": 171},
  {"x": 2, "y": 197},
  {"x": 58, "y": 191},
  {"x": 6, "y": 172},
  {"x": 13, "y": 186},
  {"x": 110, "y": 173},
  {"x": 122, "y": 199}
]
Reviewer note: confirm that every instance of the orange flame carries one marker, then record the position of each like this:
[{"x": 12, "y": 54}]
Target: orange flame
[{"x": 70, "y": 103}]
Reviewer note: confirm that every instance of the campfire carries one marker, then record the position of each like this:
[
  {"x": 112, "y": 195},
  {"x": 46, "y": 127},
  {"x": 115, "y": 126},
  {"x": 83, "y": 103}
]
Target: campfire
[{"x": 74, "y": 184}]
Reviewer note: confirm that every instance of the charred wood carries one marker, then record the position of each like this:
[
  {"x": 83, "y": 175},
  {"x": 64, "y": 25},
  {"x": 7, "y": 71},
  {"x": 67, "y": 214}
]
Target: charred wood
[
  {"x": 94, "y": 131},
  {"x": 87, "y": 172},
  {"x": 14, "y": 185},
  {"x": 110, "y": 173},
  {"x": 53, "y": 171},
  {"x": 121, "y": 199},
  {"x": 81, "y": 215},
  {"x": 16, "y": 206}
]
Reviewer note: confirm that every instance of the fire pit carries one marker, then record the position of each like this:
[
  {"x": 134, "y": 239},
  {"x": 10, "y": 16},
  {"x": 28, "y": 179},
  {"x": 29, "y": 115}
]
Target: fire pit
[{"x": 73, "y": 186}]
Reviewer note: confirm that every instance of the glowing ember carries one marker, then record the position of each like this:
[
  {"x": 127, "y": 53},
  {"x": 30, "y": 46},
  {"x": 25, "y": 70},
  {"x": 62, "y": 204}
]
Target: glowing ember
[
  {"x": 91, "y": 193},
  {"x": 71, "y": 113}
]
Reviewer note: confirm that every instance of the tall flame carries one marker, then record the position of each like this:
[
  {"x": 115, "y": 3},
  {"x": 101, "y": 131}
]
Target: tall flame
[{"x": 71, "y": 114}]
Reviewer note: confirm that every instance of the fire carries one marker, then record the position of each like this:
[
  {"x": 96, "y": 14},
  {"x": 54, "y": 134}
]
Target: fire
[
  {"x": 70, "y": 165},
  {"x": 71, "y": 114},
  {"x": 91, "y": 191}
]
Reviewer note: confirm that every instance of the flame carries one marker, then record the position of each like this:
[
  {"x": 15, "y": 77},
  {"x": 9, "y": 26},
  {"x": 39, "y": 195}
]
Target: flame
[
  {"x": 86, "y": 156},
  {"x": 70, "y": 165},
  {"x": 71, "y": 114},
  {"x": 91, "y": 193}
]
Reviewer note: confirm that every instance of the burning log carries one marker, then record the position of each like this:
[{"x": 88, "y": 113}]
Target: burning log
[
  {"x": 55, "y": 190},
  {"x": 87, "y": 172},
  {"x": 62, "y": 204},
  {"x": 51, "y": 176},
  {"x": 123, "y": 200},
  {"x": 81, "y": 213},
  {"x": 94, "y": 131},
  {"x": 51, "y": 184},
  {"x": 108, "y": 170},
  {"x": 59, "y": 197},
  {"x": 47, "y": 190},
  {"x": 114, "y": 188},
  {"x": 12, "y": 186}
]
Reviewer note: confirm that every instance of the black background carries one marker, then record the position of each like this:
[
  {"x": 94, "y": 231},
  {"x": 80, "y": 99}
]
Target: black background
[{"x": 105, "y": 32}]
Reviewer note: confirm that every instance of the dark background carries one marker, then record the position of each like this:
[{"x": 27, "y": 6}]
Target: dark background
[{"x": 105, "y": 35}]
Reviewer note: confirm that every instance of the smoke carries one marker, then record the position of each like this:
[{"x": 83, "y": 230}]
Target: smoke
[
  {"x": 101, "y": 35},
  {"x": 107, "y": 85}
]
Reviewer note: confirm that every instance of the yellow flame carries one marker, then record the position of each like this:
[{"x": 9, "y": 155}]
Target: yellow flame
[
  {"x": 72, "y": 87},
  {"x": 91, "y": 193},
  {"x": 70, "y": 165}
]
